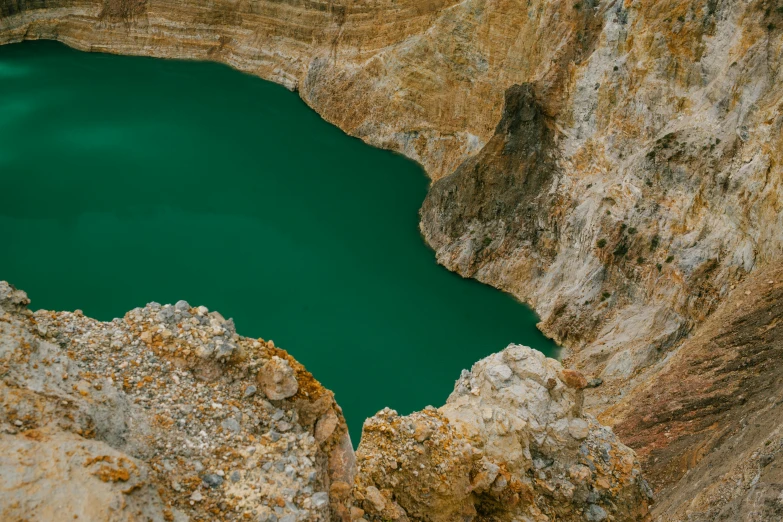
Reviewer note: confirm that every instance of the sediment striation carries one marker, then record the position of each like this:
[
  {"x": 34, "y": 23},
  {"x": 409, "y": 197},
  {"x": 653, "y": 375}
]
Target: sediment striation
[
  {"x": 168, "y": 414},
  {"x": 708, "y": 427}
]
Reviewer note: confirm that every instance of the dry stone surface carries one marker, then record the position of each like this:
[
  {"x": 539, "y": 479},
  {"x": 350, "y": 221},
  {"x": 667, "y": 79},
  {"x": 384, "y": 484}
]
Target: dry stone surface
[
  {"x": 167, "y": 414},
  {"x": 155, "y": 417},
  {"x": 511, "y": 443}
]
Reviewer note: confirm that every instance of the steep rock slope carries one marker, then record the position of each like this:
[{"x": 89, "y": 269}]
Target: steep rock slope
[
  {"x": 512, "y": 442},
  {"x": 382, "y": 71},
  {"x": 626, "y": 214},
  {"x": 614, "y": 163},
  {"x": 168, "y": 415},
  {"x": 708, "y": 424}
]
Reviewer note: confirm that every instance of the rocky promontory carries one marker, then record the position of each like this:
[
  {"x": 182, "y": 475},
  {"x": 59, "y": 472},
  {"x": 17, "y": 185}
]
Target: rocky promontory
[
  {"x": 168, "y": 414},
  {"x": 512, "y": 442},
  {"x": 165, "y": 414}
]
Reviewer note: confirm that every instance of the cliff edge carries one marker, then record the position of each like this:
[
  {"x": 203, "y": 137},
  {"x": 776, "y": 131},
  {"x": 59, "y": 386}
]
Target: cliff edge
[{"x": 168, "y": 415}]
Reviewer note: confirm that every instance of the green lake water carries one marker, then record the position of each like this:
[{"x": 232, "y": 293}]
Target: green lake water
[{"x": 126, "y": 180}]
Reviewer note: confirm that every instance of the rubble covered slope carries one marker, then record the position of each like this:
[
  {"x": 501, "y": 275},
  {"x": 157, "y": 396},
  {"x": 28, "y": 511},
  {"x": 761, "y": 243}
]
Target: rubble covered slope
[
  {"x": 167, "y": 414},
  {"x": 708, "y": 424}
]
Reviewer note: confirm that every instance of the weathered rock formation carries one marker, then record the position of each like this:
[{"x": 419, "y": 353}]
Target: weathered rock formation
[
  {"x": 708, "y": 424},
  {"x": 615, "y": 163},
  {"x": 166, "y": 414},
  {"x": 511, "y": 443},
  {"x": 624, "y": 201}
]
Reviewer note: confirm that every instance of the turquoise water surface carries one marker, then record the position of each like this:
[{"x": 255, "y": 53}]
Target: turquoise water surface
[{"x": 127, "y": 180}]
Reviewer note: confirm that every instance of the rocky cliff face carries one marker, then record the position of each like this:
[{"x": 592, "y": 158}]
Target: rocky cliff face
[
  {"x": 708, "y": 424},
  {"x": 168, "y": 414},
  {"x": 626, "y": 212},
  {"x": 511, "y": 443}
]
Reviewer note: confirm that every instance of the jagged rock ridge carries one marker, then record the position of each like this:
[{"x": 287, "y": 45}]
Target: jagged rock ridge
[{"x": 168, "y": 414}]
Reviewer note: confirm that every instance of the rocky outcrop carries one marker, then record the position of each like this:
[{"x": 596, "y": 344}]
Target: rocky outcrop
[
  {"x": 625, "y": 198},
  {"x": 493, "y": 201},
  {"x": 708, "y": 424},
  {"x": 511, "y": 443},
  {"x": 166, "y": 414}
]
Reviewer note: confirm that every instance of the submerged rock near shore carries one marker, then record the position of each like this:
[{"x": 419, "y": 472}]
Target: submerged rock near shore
[{"x": 167, "y": 414}]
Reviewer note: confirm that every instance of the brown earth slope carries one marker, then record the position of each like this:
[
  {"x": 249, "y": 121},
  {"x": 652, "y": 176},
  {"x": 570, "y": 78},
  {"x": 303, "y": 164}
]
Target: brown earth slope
[{"x": 708, "y": 427}]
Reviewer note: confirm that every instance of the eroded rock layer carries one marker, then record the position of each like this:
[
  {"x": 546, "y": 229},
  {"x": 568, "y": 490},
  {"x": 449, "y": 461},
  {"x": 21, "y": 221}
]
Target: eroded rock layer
[
  {"x": 708, "y": 426},
  {"x": 626, "y": 212}
]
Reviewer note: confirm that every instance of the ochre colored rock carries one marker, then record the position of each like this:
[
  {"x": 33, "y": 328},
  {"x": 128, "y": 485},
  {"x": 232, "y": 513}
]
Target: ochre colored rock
[
  {"x": 708, "y": 425},
  {"x": 505, "y": 446},
  {"x": 573, "y": 379},
  {"x": 614, "y": 164}
]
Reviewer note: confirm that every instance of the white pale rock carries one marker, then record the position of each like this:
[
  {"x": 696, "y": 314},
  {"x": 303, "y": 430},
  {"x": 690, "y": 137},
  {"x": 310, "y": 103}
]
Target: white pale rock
[
  {"x": 524, "y": 432},
  {"x": 500, "y": 375},
  {"x": 578, "y": 428}
]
